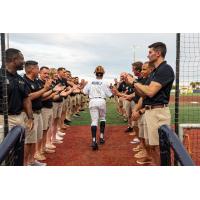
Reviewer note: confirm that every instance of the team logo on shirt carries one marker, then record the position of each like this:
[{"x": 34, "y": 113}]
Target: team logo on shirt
[
  {"x": 21, "y": 82},
  {"x": 32, "y": 86},
  {"x": 96, "y": 83}
]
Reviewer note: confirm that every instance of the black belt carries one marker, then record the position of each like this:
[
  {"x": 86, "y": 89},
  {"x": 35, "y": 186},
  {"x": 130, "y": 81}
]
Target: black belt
[
  {"x": 98, "y": 98},
  {"x": 149, "y": 107},
  {"x": 1, "y": 113}
]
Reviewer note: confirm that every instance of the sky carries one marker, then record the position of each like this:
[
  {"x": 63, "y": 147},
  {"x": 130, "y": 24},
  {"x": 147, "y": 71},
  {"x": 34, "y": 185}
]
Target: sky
[{"x": 81, "y": 52}]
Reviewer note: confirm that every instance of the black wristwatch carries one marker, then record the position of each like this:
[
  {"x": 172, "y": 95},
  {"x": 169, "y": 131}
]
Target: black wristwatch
[{"x": 140, "y": 112}]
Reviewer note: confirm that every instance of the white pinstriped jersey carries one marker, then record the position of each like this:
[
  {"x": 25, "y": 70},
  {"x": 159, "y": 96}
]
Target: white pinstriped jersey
[{"x": 97, "y": 89}]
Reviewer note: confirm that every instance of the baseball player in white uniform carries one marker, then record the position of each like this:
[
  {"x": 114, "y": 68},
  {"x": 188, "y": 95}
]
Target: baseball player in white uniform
[{"x": 97, "y": 90}]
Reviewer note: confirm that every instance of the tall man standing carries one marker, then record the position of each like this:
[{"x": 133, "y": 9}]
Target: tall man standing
[
  {"x": 33, "y": 147},
  {"x": 156, "y": 93},
  {"x": 18, "y": 99}
]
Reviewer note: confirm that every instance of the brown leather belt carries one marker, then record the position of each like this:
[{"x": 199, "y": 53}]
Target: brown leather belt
[
  {"x": 149, "y": 107},
  {"x": 37, "y": 111}
]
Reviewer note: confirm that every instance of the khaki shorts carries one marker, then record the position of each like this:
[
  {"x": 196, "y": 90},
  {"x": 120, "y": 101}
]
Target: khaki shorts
[
  {"x": 57, "y": 110},
  {"x": 64, "y": 106},
  {"x": 47, "y": 117},
  {"x": 154, "y": 119},
  {"x": 120, "y": 100},
  {"x": 127, "y": 107},
  {"x": 36, "y": 133},
  {"x": 142, "y": 127},
  {"x": 68, "y": 99},
  {"x": 13, "y": 120},
  {"x": 78, "y": 99},
  {"x": 73, "y": 100}
]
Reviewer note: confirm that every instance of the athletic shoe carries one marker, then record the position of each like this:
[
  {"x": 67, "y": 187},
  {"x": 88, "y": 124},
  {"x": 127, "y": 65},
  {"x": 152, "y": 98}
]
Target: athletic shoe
[
  {"x": 50, "y": 146},
  {"x": 82, "y": 110},
  {"x": 135, "y": 141},
  {"x": 101, "y": 141},
  {"x": 58, "y": 137},
  {"x": 76, "y": 115},
  {"x": 125, "y": 120},
  {"x": 128, "y": 130},
  {"x": 94, "y": 146},
  {"x": 47, "y": 150},
  {"x": 141, "y": 154},
  {"x": 60, "y": 134},
  {"x": 57, "y": 141},
  {"x": 37, "y": 163},
  {"x": 67, "y": 122},
  {"x": 138, "y": 148},
  {"x": 143, "y": 161},
  {"x": 39, "y": 157}
]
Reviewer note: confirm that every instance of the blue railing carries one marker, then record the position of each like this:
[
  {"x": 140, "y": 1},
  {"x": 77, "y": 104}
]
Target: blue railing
[
  {"x": 169, "y": 140},
  {"x": 12, "y": 147}
]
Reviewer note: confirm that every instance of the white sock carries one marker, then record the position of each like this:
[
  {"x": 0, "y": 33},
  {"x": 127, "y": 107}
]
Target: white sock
[
  {"x": 101, "y": 135},
  {"x": 94, "y": 139}
]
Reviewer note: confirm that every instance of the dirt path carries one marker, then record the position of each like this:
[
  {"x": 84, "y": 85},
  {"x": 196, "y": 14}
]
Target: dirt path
[{"x": 76, "y": 150}]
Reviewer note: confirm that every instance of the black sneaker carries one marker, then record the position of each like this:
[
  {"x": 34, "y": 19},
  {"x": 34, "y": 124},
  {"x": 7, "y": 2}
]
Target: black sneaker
[
  {"x": 77, "y": 115},
  {"x": 67, "y": 122},
  {"x": 101, "y": 141},
  {"x": 82, "y": 110},
  {"x": 128, "y": 130},
  {"x": 94, "y": 146}
]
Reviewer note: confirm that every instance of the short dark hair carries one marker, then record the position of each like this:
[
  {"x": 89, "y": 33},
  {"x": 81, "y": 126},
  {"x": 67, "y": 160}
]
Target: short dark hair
[
  {"x": 11, "y": 53},
  {"x": 43, "y": 67},
  {"x": 138, "y": 66},
  {"x": 150, "y": 64},
  {"x": 30, "y": 62},
  {"x": 60, "y": 69},
  {"x": 159, "y": 46}
]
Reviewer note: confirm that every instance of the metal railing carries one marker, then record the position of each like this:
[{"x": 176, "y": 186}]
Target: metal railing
[
  {"x": 170, "y": 141},
  {"x": 12, "y": 147}
]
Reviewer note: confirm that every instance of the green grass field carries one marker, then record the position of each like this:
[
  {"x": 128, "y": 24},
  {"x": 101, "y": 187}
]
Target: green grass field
[
  {"x": 188, "y": 114},
  {"x": 112, "y": 116}
]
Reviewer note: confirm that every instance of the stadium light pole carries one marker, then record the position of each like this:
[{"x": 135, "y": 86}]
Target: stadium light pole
[
  {"x": 4, "y": 84},
  {"x": 7, "y": 40}
]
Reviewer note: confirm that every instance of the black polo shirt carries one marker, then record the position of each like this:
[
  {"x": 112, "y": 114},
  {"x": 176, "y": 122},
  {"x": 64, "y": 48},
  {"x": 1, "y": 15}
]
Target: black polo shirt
[
  {"x": 46, "y": 103},
  {"x": 164, "y": 75},
  {"x": 34, "y": 86},
  {"x": 129, "y": 90},
  {"x": 122, "y": 87},
  {"x": 17, "y": 92},
  {"x": 142, "y": 81}
]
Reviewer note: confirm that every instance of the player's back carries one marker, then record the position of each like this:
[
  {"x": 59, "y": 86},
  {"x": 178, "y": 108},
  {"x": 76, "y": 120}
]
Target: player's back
[{"x": 98, "y": 89}]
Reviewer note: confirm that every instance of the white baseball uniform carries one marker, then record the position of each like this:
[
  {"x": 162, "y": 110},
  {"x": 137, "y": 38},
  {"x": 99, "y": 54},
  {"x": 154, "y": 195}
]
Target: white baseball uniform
[{"x": 97, "y": 90}]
